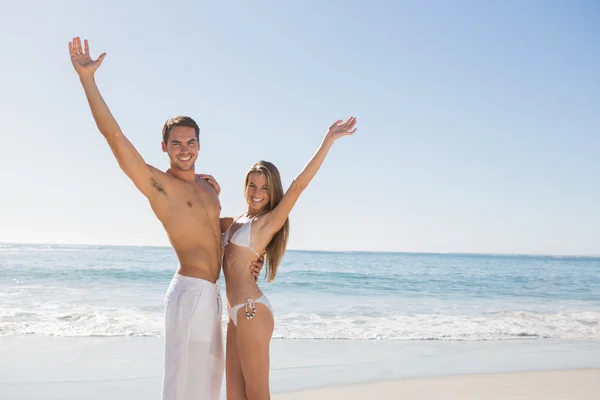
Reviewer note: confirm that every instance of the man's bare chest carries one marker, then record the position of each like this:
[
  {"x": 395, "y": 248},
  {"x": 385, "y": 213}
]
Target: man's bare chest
[{"x": 198, "y": 199}]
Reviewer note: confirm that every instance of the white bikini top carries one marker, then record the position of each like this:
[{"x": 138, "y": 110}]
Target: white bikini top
[{"x": 242, "y": 236}]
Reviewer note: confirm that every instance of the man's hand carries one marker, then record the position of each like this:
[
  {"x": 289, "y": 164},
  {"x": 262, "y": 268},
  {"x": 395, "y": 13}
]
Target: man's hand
[
  {"x": 256, "y": 267},
  {"x": 211, "y": 181},
  {"x": 80, "y": 57}
]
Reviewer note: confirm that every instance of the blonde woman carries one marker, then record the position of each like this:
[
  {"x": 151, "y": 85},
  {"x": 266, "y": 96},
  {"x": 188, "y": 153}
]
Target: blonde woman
[{"x": 261, "y": 231}]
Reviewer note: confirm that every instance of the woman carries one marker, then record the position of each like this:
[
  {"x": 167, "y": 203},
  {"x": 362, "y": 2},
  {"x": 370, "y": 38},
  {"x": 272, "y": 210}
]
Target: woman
[{"x": 262, "y": 230}]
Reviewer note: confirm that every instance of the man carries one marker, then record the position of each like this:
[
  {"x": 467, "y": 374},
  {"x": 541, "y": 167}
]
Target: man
[{"x": 188, "y": 208}]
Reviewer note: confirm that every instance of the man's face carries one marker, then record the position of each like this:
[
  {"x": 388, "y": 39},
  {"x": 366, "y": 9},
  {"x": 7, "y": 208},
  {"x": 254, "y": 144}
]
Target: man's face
[{"x": 182, "y": 147}]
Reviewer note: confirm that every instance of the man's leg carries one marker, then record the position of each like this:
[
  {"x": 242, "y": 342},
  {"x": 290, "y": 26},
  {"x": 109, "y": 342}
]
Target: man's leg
[
  {"x": 206, "y": 352},
  {"x": 194, "y": 360},
  {"x": 179, "y": 309}
]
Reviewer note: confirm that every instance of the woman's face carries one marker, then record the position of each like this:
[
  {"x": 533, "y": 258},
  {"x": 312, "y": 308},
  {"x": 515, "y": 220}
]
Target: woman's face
[{"x": 257, "y": 191}]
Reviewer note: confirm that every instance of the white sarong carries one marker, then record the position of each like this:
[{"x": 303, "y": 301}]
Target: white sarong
[{"x": 194, "y": 356}]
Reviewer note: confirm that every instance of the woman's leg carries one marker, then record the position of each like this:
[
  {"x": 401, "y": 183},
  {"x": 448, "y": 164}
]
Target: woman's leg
[
  {"x": 236, "y": 389},
  {"x": 253, "y": 340}
]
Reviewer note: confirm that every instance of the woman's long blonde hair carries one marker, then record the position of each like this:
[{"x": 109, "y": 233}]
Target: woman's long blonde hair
[{"x": 276, "y": 247}]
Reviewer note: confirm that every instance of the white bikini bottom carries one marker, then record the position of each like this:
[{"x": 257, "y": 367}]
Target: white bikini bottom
[{"x": 250, "y": 308}]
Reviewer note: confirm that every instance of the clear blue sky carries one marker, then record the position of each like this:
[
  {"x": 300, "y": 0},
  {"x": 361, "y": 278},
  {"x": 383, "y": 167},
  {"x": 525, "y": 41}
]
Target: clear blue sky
[{"x": 479, "y": 122}]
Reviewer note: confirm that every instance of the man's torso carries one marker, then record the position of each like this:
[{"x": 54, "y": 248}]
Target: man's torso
[{"x": 190, "y": 214}]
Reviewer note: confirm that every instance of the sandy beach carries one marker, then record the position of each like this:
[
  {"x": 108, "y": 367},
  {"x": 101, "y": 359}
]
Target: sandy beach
[
  {"x": 97, "y": 368},
  {"x": 581, "y": 384}
]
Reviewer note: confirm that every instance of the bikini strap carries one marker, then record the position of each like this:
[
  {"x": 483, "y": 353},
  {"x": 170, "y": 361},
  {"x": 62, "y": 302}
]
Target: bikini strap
[{"x": 250, "y": 239}]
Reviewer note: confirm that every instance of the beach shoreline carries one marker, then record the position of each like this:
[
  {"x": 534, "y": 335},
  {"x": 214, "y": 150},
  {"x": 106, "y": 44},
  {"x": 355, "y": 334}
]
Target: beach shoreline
[{"x": 36, "y": 367}]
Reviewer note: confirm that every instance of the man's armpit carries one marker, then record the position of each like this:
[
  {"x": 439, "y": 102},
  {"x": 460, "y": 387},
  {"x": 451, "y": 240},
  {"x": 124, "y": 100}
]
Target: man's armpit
[{"x": 158, "y": 186}]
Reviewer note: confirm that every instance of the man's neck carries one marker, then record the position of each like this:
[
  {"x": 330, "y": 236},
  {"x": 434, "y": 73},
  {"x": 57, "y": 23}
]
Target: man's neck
[{"x": 189, "y": 175}]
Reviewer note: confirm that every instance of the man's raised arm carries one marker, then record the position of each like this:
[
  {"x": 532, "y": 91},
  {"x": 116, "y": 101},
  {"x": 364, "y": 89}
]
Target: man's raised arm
[{"x": 130, "y": 161}]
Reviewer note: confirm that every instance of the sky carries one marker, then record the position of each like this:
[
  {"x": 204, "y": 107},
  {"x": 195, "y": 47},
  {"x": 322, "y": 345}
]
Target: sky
[{"x": 478, "y": 122}]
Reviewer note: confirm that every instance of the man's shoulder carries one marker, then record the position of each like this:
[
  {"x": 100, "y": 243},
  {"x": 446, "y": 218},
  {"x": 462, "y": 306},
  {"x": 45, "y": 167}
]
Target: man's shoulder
[
  {"x": 164, "y": 175},
  {"x": 175, "y": 181},
  {"x": 156, "y": 170},
  {"x": 164, "y": 179}
]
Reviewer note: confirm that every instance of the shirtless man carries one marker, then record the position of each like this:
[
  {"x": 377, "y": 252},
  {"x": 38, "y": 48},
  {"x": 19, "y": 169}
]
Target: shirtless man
[{"x": 188, "y": 208}]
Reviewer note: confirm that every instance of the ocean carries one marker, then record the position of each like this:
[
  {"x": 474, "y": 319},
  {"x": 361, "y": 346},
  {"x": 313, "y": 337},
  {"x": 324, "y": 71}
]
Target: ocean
[{"x": 101, "y": 291}]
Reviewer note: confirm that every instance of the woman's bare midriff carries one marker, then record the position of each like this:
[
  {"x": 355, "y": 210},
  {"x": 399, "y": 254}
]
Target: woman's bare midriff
[{"x": 239, "y": 282}]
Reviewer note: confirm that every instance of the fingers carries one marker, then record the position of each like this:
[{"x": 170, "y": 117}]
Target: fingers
[
  {"x": 346, "y": 125},
  {"x": 210, "y": 179},
  {"x": 205, "y": 176},
  {"x": 258, "y": 264},
  {"x": 78, "y": 46},
  {"x": 76, "y": 49},
  {"x": 73, "y": 47},
  {"x": 101, "y": 58},
  {"x": 215, "y": 187},
  {"x": 255, "y": 268},
  {"x": 347, "y": 128},
  {"x": 336, "y": 123},
  {"x": 350, "y": 123}
]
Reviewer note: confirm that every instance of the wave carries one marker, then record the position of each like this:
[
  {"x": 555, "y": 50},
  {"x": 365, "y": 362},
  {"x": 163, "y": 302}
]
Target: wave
[
  {"x": 149, "y": 321},
  {"x": 491, "y": 326}
]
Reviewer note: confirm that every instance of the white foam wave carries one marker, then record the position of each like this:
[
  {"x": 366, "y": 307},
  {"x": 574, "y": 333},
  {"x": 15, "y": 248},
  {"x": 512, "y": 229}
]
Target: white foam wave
[
  {"x": 82, "y": 322},
  {"x": 495, "y": 326},
  {"x": 490, "y": 326}
]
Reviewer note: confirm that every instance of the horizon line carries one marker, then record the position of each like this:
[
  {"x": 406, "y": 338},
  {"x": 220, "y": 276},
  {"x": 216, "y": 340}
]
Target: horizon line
[{"x": 334, "y": 251}]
